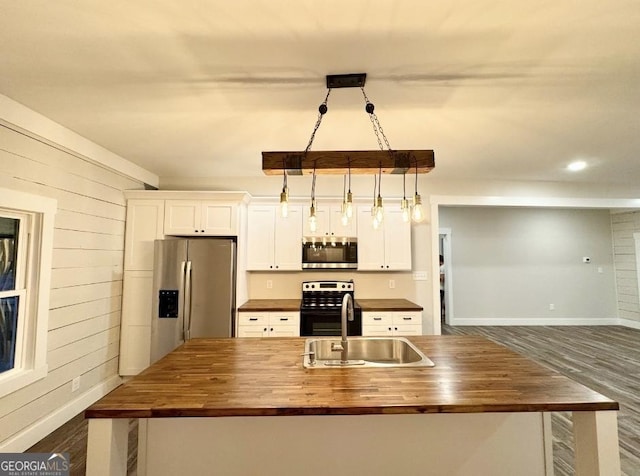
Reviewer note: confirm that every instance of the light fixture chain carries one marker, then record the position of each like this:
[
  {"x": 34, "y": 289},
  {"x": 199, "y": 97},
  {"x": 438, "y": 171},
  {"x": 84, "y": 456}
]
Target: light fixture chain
[
  {"x": 377, "y": 128},
  {"x": 318, "y": 121},
  {"x": 381, "y": 130}
]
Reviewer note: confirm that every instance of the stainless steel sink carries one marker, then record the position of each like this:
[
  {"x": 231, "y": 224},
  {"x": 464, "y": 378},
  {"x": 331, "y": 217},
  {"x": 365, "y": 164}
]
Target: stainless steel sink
[{"x": 364, "y": 352}]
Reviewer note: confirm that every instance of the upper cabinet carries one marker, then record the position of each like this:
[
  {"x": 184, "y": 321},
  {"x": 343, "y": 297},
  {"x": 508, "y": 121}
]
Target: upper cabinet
[
  {"x": 387, "y": 248},
  {"x": 200, "y": 218},
  {"x": 274, "y": 243},
  {"x": 329, "y": 220}
]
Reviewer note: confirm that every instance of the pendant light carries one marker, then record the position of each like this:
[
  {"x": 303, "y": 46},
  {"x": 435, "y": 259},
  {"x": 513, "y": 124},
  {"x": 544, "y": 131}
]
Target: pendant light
[
  {"x": 374, "y": 207},
  {"x": 349, "y": 210},
  {"x": 404, "y": 204},
  {"x": 417, "y": 215},
  {"x": 346, "y": 162},
  {"x": 379, "y": 207},
  {"x": 322, "y": 110},
  {"x": 344, "y": 218},
  {"x": 313, "y": 220},
  {"x": 284, "y": 195}
]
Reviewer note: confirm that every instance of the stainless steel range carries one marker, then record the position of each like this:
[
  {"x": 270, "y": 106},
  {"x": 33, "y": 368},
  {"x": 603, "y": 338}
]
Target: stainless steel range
[{"x": 321, "y": 307}]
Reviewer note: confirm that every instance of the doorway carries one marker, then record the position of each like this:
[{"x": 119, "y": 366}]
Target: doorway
[{"x": 446, "y": 290}]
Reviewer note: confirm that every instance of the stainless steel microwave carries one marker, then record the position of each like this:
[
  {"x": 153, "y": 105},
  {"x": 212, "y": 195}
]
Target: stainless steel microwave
[{"x": 327, "y": 254}]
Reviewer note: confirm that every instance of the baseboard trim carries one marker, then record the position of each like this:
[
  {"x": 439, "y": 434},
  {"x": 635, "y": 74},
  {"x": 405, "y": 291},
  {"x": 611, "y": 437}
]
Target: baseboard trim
[
  {"x": 43, "y": 427},
  {"x": 536, "y": 321},
  {"x": 629, "y": 323}
]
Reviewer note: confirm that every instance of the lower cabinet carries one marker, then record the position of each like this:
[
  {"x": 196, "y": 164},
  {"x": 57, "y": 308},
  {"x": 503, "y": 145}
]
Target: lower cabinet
[
  {"x": 268, "y": 324},
  {"x": 392, "y": 323}
]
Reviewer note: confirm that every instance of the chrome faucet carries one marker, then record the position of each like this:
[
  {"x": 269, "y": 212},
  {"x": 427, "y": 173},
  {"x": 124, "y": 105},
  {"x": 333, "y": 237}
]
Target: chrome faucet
[{"x": 345, "y": 313}]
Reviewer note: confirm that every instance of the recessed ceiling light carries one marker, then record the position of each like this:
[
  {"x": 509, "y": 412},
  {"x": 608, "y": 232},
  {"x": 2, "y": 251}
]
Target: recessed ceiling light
[{"x": 577, "y": 165}]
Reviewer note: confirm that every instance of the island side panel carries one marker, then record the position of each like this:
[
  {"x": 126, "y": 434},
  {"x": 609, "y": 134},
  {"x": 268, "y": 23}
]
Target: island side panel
[{"x": 500, "y": 444}]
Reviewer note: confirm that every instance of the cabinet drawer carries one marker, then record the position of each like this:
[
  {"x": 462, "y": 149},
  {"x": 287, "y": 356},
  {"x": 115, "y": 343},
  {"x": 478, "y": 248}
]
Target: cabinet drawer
[
  {"x": 407, "y": 330},
  {"x": 376, "y": 331},
  {"x": 407, "y": 318},
  {"x": 249, "y": 319},
  {"x": 377, "y": 318},
  {"x": 284, "y": 318}
]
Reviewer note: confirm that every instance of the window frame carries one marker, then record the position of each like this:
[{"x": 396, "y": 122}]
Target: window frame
[{"x": 35, "y": 245}]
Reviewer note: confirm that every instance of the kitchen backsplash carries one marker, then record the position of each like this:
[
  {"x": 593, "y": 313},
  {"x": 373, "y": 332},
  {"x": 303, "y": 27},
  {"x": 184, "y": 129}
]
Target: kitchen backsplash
[{"x": 368, "y": 285}]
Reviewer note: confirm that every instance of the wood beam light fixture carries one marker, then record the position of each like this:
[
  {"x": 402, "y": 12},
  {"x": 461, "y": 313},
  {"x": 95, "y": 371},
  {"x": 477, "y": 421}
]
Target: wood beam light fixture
[
  {"x": 343, "y": 162},
  {"x": 336, "y": 162}
]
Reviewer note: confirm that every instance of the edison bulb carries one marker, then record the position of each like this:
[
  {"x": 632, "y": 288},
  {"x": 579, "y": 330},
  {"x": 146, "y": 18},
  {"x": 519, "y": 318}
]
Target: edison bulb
[{"x": 417, "y": 215}]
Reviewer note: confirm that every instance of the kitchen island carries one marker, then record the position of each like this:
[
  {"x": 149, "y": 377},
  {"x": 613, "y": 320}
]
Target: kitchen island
[{"x": 247, "y": 406}]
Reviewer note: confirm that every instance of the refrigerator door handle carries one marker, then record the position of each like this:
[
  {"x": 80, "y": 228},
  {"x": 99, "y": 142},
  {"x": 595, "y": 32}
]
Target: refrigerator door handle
[{"x": 187, "y": 302}]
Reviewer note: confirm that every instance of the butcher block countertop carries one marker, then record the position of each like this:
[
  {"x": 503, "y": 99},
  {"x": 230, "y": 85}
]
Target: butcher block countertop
[
  {"x": 265, "y": 377},
  {"x": 387, "y": 305},
  {"x": 283, "y": 305},
  {"x": 270, "y": 305}
]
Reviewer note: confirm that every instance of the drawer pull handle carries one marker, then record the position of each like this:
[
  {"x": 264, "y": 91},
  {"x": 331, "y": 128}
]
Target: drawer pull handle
[
  {"x": 253, "y": 318},
  {"x": 284, "y": 318},
  {"x": 407, "y": 318},
  {"x": 377, "y": 318}
]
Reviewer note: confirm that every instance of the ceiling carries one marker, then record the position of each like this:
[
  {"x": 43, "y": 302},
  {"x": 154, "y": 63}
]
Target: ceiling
[{"x": 504, "y": 90}]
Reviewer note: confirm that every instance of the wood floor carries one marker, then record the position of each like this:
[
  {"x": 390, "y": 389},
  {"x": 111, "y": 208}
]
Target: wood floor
[
  {"x": 605, "y": 358},
  {"x": 72, "y": 438}
]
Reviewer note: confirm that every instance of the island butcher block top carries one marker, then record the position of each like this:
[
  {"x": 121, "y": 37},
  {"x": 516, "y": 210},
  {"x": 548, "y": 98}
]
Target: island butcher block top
[{"x": 262, "y": 377}]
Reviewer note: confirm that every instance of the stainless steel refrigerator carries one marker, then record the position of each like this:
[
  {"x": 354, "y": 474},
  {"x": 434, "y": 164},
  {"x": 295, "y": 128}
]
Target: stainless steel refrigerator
[{"x": 194, "y": 291}]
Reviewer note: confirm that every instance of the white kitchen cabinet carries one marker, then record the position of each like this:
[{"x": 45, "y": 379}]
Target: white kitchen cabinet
[
  {"x": 144, "y": 225},
  {"x": 268, "y": 324},
  {"x": 329, "y": 220},
  {"x": 155, "y": 215},
  {"x": 274, "y": 242},
  {"x": 200, "y": 218},
  {"x": 387, "y": 248},
  {"x": 393, "y": 323},
  {"x": 135, "y": 328}
]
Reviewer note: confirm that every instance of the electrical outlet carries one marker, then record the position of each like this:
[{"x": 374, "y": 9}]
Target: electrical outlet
[
  {"x": 420, "y": 276},
  {"x": 600, "y": 270},
  {"x": 75, "y": 384},
  {"x": 392, "y": 284},
  {"x": 269, "y": 284},
  {"x": 552, "y": 307}
]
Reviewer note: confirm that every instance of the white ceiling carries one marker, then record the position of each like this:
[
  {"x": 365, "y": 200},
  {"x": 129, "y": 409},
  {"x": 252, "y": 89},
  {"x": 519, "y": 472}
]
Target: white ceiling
[{"x": 193, "y": 88}]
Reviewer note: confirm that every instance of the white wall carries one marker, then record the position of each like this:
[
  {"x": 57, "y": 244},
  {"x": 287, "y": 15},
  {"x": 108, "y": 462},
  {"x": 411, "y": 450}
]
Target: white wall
[
  {"x": 510, "y": 264},
  {"x": 624, "y": 225},
  {"x": 368, "y": 285},
  {"x": 86, "y": 283}
]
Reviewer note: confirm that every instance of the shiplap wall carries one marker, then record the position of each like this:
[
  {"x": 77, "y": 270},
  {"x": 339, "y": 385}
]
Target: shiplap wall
[
  {"x": 624, "y": 225},
  {"x": 86, "y": 277}
]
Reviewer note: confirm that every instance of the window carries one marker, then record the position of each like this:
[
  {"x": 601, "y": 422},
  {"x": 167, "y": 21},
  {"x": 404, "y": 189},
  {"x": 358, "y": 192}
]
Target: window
[
  {"x": 26, "y": 237},
  {"x": 12, "y": 287}
]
